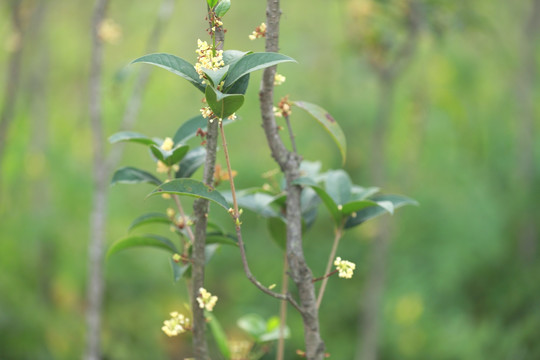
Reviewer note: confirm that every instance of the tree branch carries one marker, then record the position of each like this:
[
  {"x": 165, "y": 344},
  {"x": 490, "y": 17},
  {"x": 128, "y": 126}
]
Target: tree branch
[{"x": 289, "y": 164}]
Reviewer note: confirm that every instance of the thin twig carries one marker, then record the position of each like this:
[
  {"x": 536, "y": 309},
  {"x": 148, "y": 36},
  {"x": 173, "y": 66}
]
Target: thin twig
[
  {"x": 291, "y": 134},
  {"x": 337, "y": 237},
  {"x": 326, "y": 276}
]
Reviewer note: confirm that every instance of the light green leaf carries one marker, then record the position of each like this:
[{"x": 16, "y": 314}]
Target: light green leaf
[
  {"x": 258, "y": 203},
  {"x": 131, "y": 136},
  {"x": 325, "y": 197},
  {"x": 193, "y": 188},
  {"x": 211, "y": 3},
  {"x": 328, "y": 123},
  {"x": 219, "y": 334},
  {"x": 278, "y": 231},
  {"x": 272, "y": 330},
  {"x": 223, "y": 105},
  {"x": 222, "y": 7},
  {"x": 142, "y": 240},
  {"x": 216, "y": 76},
  {"x": 253, "y": 62},
  {"x": 232, "y": 56},
  {"x": 175, "y": 65},
  {"x": 361, "y": 193},
  {"x": 366, "y": 214},
  {"x": 191, "y": 162},
  {"x": 253, "y": 324},
  {"x": 150, "y": 218},
  {"x": 131, "y": 175},
  {"x": 338, "y": 185}
]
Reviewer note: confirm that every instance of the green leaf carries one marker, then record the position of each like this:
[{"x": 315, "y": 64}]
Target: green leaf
[
  {"x": 325, "y": 197},
  {"x": 272, "y": 330},
  {"x": 132, "y": 137},
  {"x": 328, "y": 123},
  {"x": 223, "y": 105},
  {"x": 189, "y": 128},
  {"x": 364, "y": 215},
  {"x": 216, "y": 76},
  {"x": 131, "y": 175},
  {"x": 222, "y": 7},
  {"x": 211, "y": 3},
  {"x": 253, "y": 324},
  {"x": 338, "y": 185},
  {"x": 142, "y": 240},
  {"x": 278, "y": 231},
  {"x": 175, "y": 65},
  {"x": 178, "y": 270},
  {"x": 240, "y": 86},
  {"x": 150, "y": 218},
  {"x": 193, "y": 188},
  {"x": 219, "y": 335},
  {"x": 253, "y": 62},
  {"x": 361, "y": 193},
  {"x": 191, "y": 162},
  {"x": 258, "y": 203},
  {"x": 232, "y": 56},
  {"x": 169, "y": 157}
]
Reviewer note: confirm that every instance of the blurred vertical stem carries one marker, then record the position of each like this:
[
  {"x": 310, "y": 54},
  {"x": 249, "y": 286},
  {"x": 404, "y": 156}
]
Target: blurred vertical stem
[
  {"x": 97, "y": 218},
  {"x": 200, "y": 212},
  {"x": 283, "y": 310},
  {"x": 337, "y": 237},
  {"x": 13, "y": 70},
  {"x": 387, "y": 74},
  {"x": 528, "y": 231},
  {"x": 289, "y": 163}
]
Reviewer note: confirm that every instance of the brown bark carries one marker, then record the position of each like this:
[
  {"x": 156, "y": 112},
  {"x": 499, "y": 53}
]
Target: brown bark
[
  {"x": 95, "y": 285},
  {"x": 289, "y": 163}
]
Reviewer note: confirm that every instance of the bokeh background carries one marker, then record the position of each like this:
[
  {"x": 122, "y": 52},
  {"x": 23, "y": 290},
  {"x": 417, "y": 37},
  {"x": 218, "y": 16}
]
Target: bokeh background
[{"x": 462, "y": 269}]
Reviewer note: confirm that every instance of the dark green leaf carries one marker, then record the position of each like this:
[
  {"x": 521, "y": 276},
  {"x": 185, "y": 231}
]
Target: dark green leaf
[
  {"x": 142, "y": 240},
  {"x": 175, "y": 65},
  {"x": 178, "y": 269},
  {"x": 371, "y": 212},
  {"x": 328, "y": 123},
  {"x": 223, "y": 105},
  {"x": 131, "y": 175},
  {"x": 222, "y": 7},
  {"x": 240, "y": 86},
  {"x": 132, "y": 137},
  {"x": 232, "y": 56},
  {"x": 191, "y": 162},
  {"x": 219, "y": 335},
  {"x": 189, "y": 129},
  {"x": 338, "y": 185},
  {"x": 357, "y": 205},
  {"x": 221, "y": 238},
  {"x": 169, "y": 157},
  {"x": 253, "y": 62},
  {"x": 190, "y": 187},
  {"x": 150, "y": 218},
  {"x": 278, "y": 231},
  {"x": 325, "y": 197}
]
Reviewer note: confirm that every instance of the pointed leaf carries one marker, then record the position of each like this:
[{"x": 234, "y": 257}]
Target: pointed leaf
[
  {"x": 211, "y": 3},
  {"x": 361, "y": 193},
  {"x": 338, "y": 185},
  {"x": 328, "y": 123},
  {"x": 142, "y": 240},
  {"x": 150, "y": 218},
  {"x": 223, "y": 105},
  {"x": 189, "y": 128},
  {"x": 258, "y": 203},
  {"x": 169, "y": 157},
  {"x": 217, "y": 237},
  {"x": 175, "y": 65},
  {"x": 240, "y": 86},
  {"x": 253, "y": 62},
  {"x": 215, "y": 76},
  {"x": 325, "y": 197},
  {"x": 357, "y": 205},
  {"x": 232, "y": 56},
  {"x": 132, "y": 137},
  {"x": 178, "y": 270},
  {"x": 193, "y": 188},
  {"x": 191, "y": 162},
  {"x": 222, "y": 7},
  {"x": 369, "y": 213},
  {"x": 131, "y": 175},
  {"x": 219, "y": 334}
]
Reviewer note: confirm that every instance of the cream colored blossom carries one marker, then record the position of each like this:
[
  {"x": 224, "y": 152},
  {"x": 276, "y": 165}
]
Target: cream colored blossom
[
  {"x": 162, "y": 167},
  {"x": 167, "y": 144},
  {"x": 170, "y": 212},
  {"x": 206, "y": 300},
  {"x": 345, "y": 268},
  {"x": 109, "y": 31},
  {"x": 260, "y": 32},
  {"x": 176, "y": 325},
  {"x": 208, "y": 58},
  {"x": 279, "y": 79}
]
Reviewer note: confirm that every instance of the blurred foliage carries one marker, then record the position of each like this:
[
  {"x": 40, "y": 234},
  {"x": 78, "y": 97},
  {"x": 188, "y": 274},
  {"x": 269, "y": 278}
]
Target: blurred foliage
[{"x": 458, "y": 287}]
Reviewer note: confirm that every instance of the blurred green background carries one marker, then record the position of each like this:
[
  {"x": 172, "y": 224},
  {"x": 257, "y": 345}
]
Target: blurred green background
[{"x": 462, "y": 273}]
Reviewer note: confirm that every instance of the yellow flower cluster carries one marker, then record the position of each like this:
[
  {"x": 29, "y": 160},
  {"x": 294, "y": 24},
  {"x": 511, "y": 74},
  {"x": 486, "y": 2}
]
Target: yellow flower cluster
[
  {"x": 260, "y": 32},
  {"x": 284, "y": 108},
  {"x": 208, "y": 58},
  {"x": 206, "y": 300},
  {"x": 345, "y": 268},
  {"x": 167, "y": 145},
  {"x": 109, "y": 31},
  {"x": 279, "y": 79},
  {"x": 176, "y": 325}
]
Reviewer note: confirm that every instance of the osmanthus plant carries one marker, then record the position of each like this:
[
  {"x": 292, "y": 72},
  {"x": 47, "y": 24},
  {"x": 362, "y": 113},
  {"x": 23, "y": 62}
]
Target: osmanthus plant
[{"x": 223, "y": 78}]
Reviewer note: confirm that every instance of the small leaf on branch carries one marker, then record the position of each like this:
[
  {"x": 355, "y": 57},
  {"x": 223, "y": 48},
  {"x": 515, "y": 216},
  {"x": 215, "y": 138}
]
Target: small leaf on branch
[
  {"x": 366, "y": 214},
  {"x": 142, "y": 240},
  {"x": 223, "y": 105},
  {"x": 191, "y": 162},
  {"x": 222, "y": 7},
  {"x": 193, "y": 188},
  {"x": 131, "y": 136},
  {"x": 131, "y": 175},
  {"x": 175, "y": 65},
  {"x": 328, "y": 123},
  {"x": 150, "y": 218}
]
